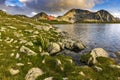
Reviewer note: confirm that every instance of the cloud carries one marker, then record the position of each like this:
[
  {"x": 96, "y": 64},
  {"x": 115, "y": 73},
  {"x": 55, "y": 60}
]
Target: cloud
[
  {"x": 23, "y": 1},
  {"x": 59, "y": 5}
]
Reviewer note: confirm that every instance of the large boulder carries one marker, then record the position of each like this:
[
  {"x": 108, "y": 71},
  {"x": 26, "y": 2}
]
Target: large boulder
[
  {"x": 73, "y": 45},
  {"x": 91, "y": 57},
  {"x": 54, "y": 48},
  {"x": 33, "y": 74},
  {"x": 98, "y": 52}
]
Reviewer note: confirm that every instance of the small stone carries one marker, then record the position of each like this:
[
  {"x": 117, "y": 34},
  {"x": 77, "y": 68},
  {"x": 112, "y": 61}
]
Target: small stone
[
  {"x": 13, "y": 71},
  {"x": 12, "y": 54},
  {"x": 40, "y": 49},
  {"x": 65, "y": 78},
  {"x": 20, "y": 64},
  {"x": 29, "y": 43},
  {"x": 43, "y": 61},
  {"x": 115, "y": 66},
  {"x": 30, "y": 63},
  {"x": 28, "y": 51},
  {"x": 15, "y": 41},
  {"x": 62, "y": 69},
  {"x": 98, "y": 68},
  {"x": 17, "y": 56},
  {"x": 81, "y": 73},
  {"x": 71, "y": 61},
  {"x": 58, "y": 62},
  {"x": 49, "y": 78},
  {"x": 44, "y": 53}
]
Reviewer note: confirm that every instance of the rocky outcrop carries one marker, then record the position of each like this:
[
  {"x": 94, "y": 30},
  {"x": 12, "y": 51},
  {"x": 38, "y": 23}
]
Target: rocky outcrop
[{"x": 79, "y": 15}]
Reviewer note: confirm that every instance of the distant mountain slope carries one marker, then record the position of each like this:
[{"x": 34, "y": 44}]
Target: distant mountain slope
[
  {"x": 41, "y": 15},
  {"x": 79, "y": 15}
]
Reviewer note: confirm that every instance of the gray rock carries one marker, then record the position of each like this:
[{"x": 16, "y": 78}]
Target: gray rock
[
  {"x": 54, "y": 48},
  {"x": 20, "y": 64},
  {"x": 78, "y": 46},
  {"x": 65, "y": 78},
  {"x": 61, "y": 45},
  {"x": 33, "y": 74},
  {"x": 115, "y": 66},
  {"x": 44, "y": 53},
  {"x": 81, "y": 73},
  {"x": 58, "y": 62},
  {"x": 17, "y": 56},
  {"x": 13, "y": 71},
  {"x": 98, "y": 68},
  {"x": 98, "y": 52},
  {"x": 73, "y": 45},
  {"x": 68, "y": 43},
  {"x": 12, "y": 54},
  {"x": 27, "y": 51},
  {"x": 49, "y": 78},
  {"x": 90, "y": 58}
]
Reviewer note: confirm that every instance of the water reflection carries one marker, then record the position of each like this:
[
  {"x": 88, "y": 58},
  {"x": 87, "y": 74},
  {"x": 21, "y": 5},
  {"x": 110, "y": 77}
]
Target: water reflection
[{"x": 96, "y": 35}]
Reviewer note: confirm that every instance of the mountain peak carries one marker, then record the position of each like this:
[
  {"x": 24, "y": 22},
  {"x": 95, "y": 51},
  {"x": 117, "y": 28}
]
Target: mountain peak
[
  {"x": 41, "y": 15},
  {"x": 103, "y": 11},
  {"x": 79, "y": 15}
]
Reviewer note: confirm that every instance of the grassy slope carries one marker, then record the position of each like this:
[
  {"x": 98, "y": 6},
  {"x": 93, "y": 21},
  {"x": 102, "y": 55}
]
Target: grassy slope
[{"x": 14, "y": 29}]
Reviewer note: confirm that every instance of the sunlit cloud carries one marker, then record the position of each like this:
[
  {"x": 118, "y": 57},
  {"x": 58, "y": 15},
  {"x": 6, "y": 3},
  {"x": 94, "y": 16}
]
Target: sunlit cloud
[{"x": 60, "y": 5}]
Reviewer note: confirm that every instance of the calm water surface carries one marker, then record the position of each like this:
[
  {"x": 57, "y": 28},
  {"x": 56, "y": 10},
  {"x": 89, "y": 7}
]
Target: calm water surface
[{"x": 106, "y": 36}]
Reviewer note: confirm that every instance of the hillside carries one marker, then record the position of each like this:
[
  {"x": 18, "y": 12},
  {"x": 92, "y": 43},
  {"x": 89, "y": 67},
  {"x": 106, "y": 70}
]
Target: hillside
[
  {"x": 79, "y": 15},
  {"x": 32, "y": 50},
  {"x": 40, "y": 16},
  {"x": 45, "y": 18}
]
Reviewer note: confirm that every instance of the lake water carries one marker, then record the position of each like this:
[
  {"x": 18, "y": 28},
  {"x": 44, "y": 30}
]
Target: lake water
[{"x": 106, "y": 36}]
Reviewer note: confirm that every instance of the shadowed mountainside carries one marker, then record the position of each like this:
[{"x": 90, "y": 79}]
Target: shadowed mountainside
[{"x": 79, "y": 15}]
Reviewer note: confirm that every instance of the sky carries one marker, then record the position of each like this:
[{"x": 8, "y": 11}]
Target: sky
[{"x": 58, "y": 7}]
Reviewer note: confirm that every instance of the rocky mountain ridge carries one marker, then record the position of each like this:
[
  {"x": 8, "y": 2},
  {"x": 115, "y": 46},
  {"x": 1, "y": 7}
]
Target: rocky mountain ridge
[{"x": 79, "y": 15}]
